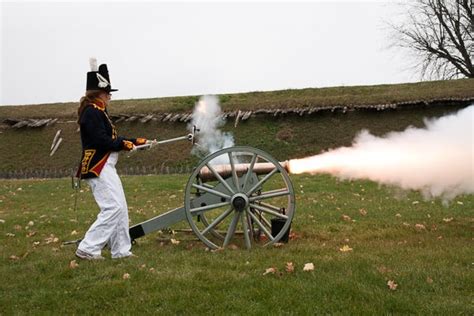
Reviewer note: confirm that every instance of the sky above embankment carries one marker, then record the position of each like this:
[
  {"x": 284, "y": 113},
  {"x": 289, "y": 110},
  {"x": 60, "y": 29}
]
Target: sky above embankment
[{"x": 158, "y": 49}]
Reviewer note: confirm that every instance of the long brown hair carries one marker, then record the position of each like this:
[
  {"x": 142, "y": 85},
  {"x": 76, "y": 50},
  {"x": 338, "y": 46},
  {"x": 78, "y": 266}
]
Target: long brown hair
[{"x": 87, "y": 99}]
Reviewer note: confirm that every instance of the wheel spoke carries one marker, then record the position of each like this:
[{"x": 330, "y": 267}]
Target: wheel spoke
[
  {"x": 219, "y": 219},
  {"x": 264, "y": 220},
  {"x": 262, "y": 227},
  {"x": 250, "y": 170},
  {"x": 231, "y": 230},
  {"x": 272, "y": 207},
  {"x": 207, "y": 185},
  {"x": 245, "y": 227},
  {"x": 269, "y": 195},
  {"x": 221, "y": 180},
  {"x": 208, "y": 207},
  {"x": 268, "y": 211},
  {"x": 234, "y": 173},
  {"x": 211, "y": 191},
  {"x": 262, "y": 181}
]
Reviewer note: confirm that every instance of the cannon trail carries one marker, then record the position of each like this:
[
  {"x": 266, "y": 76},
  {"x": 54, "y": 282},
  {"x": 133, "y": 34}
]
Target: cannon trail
[{"x": 437, "y": 160}]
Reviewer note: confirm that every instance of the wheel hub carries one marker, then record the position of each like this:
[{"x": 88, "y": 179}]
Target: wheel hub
[{"x": 240, "y": 202}]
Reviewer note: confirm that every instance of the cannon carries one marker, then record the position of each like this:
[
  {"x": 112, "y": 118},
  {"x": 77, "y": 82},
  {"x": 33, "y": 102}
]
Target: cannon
[{"x": 239, "y": 194}]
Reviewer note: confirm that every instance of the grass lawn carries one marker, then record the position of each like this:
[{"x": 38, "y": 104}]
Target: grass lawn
[{"x": 423, "y": 246}]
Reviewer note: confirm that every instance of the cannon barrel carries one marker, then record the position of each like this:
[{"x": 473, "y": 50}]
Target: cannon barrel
[{"x": 225, "y": 170}]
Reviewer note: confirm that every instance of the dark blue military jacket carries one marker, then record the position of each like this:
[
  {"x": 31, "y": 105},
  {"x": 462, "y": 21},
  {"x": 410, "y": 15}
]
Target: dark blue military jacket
[{"x": 99, "y": 138}]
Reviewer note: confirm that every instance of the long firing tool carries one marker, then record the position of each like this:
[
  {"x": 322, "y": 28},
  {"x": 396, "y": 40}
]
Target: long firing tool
[{"x": 152, "y": 143}]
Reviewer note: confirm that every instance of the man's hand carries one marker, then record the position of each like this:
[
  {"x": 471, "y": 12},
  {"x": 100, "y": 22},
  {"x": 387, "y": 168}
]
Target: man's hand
[
  {"x": 127, "y": 145},
  {"x": 140, "y": 141}
]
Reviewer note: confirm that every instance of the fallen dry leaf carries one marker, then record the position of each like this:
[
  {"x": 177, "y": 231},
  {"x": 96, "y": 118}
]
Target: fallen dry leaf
[
  {"x": 126, "y": 276},
  {"x": 447, "y": 220},
  {"x": 152, "y": 269},
  {"x": 31, "y": 234},
  {"x": 10, "y": 235},
  {"x": 217, "y": 250},
  {"x": 289, "y": 267},
  {"x": 2, "y": 221},
  {"x": 308, "y": 266},
  {"x": 460, "y": 203},
  {"x": 74, "y": 232},
  {"x": 233, "y": 247},
  {"x": 271, "y": 270},
  {"x": 420, "y": 226},
  {"x": 415, "y": 202},
  {"x": 13, "y": 257},
  {"x": 392, "y": 285},
  {"x": 429, "y": 280},
  {"x": 31, "y": 223},
  {"x": 405, "y": 224},
  {"x": 51, "y": 239},
  {"x": 36, "y": 243},
  {"x": 17, "y": 227},
  {"x": 398, "y": 215},
  {"x": 346, "y": 218},
  {"x": 174, "y": 241},
  {"x": 278, "y": 245},
  {"x": 345, "y": 248},
  {"x": 293, "y": 236},
  {"x": 73, "y": 264},
  {"x": 363, "y": 212}
]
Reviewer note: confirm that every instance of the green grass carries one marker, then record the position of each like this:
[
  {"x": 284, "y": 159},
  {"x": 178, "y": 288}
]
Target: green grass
[
  {"x": 433, "y": 267},
  {"x": 281, "y": 99}
]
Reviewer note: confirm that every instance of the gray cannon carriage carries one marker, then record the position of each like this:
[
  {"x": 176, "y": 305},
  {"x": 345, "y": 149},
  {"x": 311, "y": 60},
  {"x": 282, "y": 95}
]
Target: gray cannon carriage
[{"x": 238, "y": 194}]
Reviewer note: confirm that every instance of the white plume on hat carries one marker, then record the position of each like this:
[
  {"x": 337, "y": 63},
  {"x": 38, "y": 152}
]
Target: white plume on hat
[{"x": 93, "y": 63}]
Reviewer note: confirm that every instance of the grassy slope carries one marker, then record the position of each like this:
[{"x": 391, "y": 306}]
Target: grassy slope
[
  {"x": 432, "y": 266},
  {"x": 283, "y": 137},
  {"x": 310, "y": 97}
]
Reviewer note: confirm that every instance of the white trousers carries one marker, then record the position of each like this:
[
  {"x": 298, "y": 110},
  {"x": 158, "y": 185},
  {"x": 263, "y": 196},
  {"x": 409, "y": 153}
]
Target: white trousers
[{"x": 111, "y": 225}]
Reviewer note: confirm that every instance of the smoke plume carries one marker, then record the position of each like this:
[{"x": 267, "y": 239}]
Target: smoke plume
[
  {"x": 207, "y": 116},
  {"x": 437, "y": 160}
]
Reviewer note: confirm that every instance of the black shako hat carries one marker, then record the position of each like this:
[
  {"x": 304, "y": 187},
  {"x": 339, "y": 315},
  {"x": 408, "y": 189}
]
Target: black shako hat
[{"x": 98, "y": 79}]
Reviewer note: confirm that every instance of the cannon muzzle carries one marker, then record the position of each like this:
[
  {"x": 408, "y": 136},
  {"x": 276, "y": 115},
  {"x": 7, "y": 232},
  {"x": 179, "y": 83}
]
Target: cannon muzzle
[{"x": 225, "y": 170}]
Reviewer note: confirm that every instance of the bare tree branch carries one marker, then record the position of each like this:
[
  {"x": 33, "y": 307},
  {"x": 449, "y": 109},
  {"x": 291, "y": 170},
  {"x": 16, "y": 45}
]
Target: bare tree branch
[{"x": 441, "y": 34}]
